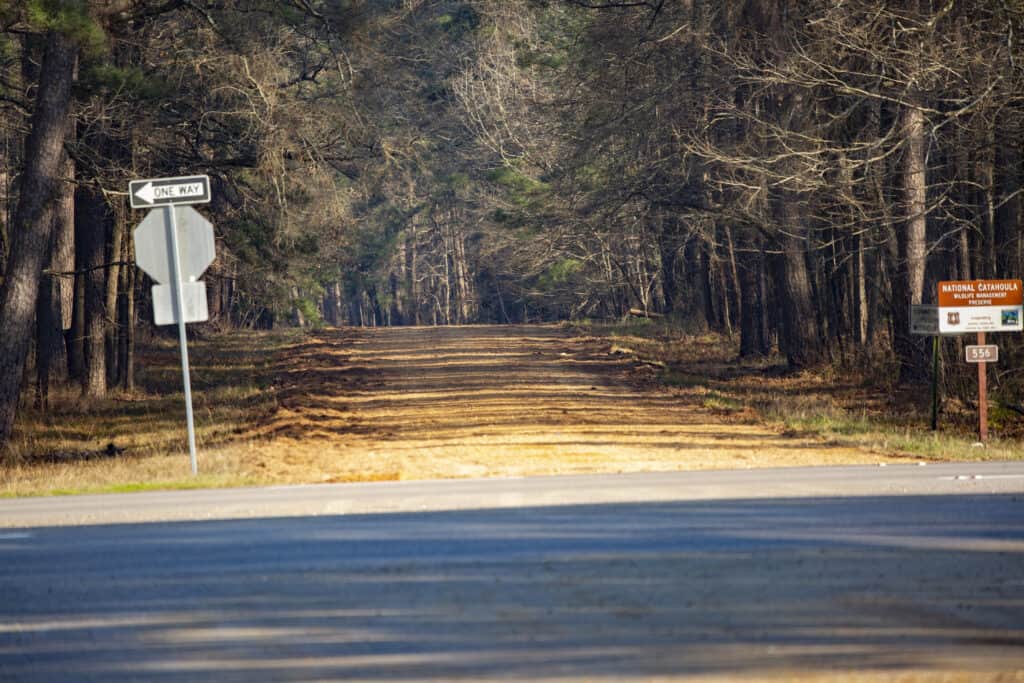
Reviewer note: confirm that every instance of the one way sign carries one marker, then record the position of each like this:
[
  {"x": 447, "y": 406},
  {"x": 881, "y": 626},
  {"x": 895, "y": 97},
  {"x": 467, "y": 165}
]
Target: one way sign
[{"x": 145, "y": 194}]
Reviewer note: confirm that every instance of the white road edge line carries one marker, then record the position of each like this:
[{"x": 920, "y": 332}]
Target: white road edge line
[{"x": 972, "y": 477}]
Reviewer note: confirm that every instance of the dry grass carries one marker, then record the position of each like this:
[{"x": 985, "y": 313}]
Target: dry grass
[
  {"x": 858, "y": 407},
  {"x": 138, "y": 439}
]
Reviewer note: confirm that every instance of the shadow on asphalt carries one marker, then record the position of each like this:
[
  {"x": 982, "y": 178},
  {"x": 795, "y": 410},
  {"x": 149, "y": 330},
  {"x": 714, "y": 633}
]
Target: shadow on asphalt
[{"x": 740, "y": 588}]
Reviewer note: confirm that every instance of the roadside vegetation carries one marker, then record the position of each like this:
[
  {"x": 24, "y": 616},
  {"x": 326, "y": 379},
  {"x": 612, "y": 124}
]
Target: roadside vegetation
[
  {"x": 132, "y": 440},
  {"x": 853, "y": 402}
]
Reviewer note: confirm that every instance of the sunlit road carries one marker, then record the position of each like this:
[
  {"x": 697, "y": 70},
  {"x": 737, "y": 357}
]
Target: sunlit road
[{"x": 899, "y": 573}]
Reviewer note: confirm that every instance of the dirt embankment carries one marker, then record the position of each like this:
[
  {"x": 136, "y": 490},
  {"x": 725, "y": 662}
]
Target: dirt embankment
[{"x": 414, "y": 403}]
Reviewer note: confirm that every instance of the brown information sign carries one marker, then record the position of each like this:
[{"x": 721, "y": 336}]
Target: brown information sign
[
  {"x": 957, "y": 293},
  {"x": 980, "y": 306}
]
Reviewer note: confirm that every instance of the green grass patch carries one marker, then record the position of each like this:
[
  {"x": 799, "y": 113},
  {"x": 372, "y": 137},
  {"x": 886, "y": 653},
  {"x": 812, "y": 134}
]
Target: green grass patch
[
  {"x": 200, "y": 482},
  {"x": 715, "y": 401},
  {"x": 908, "y": 439}
]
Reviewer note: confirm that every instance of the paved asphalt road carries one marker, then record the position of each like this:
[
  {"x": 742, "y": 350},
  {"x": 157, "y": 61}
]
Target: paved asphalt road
[{"x": 900, "y": 573}]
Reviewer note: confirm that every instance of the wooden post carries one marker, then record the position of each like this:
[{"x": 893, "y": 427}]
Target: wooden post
[{"x": 982, "y": 395}]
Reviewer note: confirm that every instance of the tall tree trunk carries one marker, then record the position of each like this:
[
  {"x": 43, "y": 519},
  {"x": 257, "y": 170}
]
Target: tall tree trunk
[
  {"x": 705, "y": 298},
  {"x": 802, "y": 338},
  {"x": 668, "y": 253},
  {"x": 1008, "y": 209},
  {"x": 298, "y": 316},
  {"x": 76, "y": 335},
  {"x": 6, "y": 162},
  {"x": 912, "y": 243},
  {"x": 113, "y": 278},
  {"x": 863, "y": 307},
  {"x": 466, "y": 292},
  {"x": 127, "y": 336},
  {"x": 914, "y": 192},
  {"x": 227, "y": 298},
  {"x": 695, "y": 283},
  {"x": 332, "y": 304},
  {"x": 51, "y": 355},
  {"x": 723, "y": 293},
  {"x": 400, "y": 306},
  {"x": 836, "y": 321},
  {"x": 53, "y": 310},
  {"x": 91, "y": 217},
  {"x": 986, "y": 194},
  {"x": 413, "y": 268},
  {"x": 963, "y": 254},
  {"x": 33, "y": 222},
  {"x": 753, "y": 331},
  {"x": 445, "y": 281}
]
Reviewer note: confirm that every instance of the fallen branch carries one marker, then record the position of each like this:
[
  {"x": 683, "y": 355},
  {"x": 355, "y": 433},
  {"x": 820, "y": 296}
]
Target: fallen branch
[{"x": 645, "y": 314}]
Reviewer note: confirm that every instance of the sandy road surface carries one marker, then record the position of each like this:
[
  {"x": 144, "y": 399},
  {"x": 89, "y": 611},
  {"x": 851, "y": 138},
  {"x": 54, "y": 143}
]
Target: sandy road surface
[{"x": 413, "y": 403}]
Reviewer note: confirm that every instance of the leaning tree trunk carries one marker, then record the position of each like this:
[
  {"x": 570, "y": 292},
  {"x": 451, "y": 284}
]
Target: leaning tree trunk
[
  {"x": 33, "y": 219},
  {"x": 734, "y": 274}
]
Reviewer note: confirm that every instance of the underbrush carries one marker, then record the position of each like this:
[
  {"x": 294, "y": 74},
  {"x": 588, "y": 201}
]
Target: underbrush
[
  {"x": 135, "y": 440},
  {"x": 854, "y": 401}
]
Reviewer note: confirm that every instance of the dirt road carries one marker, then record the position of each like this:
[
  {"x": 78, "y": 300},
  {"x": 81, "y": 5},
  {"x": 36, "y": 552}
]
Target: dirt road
[{"x": 439, "y": 402}]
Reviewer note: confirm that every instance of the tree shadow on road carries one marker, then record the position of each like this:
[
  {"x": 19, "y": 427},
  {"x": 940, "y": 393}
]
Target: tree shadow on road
[{"x": 732, "y": 588}]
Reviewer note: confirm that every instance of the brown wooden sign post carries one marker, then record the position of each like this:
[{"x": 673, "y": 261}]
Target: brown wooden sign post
[
  {"x": 982, "y": 395},
  {"x": 981, "y": 306}
]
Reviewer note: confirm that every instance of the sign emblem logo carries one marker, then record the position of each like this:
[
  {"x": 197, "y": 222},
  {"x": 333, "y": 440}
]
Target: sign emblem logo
[{"x": 953, "y": 318}]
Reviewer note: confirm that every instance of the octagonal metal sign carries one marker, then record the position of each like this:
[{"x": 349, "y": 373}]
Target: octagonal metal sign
[{"x": 195, "y": 244}]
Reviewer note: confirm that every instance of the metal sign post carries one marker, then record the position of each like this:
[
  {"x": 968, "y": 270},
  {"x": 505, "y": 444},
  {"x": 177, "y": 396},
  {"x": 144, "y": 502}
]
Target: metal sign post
[
  {"x": 982, "y": 395},
  {"x": 174, "y": 245},
  {"x": 179, "y": 308},
  {"x": 924, "y": 320}
]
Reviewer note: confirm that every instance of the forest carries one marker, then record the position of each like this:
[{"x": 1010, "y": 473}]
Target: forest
[{"x": 793, "y": 175}]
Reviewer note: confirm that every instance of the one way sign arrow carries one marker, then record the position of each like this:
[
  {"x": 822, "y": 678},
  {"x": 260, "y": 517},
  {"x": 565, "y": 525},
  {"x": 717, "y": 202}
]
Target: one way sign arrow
[{"x": 145, "y": 194}]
